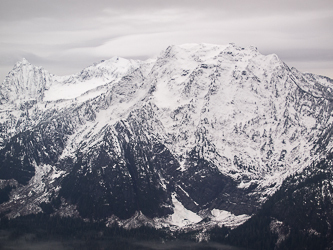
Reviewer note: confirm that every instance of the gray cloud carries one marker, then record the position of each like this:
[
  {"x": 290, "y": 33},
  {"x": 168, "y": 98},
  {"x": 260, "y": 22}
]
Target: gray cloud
[{"x": 66, "y": 35}]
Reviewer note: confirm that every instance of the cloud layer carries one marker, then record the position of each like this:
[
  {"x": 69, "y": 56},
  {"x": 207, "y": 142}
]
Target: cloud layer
[{"x": 66, "y": 35}]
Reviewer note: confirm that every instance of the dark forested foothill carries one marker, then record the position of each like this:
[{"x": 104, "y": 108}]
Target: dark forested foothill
[
  {"x": 298, "y": 216},
  {"x": 4, "y": 193},
  {"x": 73, "y": 233}
]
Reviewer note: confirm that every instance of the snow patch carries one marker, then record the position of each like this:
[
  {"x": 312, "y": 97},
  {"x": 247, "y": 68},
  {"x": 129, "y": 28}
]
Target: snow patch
[
  {"x": 70, "y": 91},
  {"x": 228, "y": 219},
  {"x": 182, "y": 216}
]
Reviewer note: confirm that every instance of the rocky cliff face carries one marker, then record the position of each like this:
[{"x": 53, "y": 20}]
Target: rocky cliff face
[
  {"x": 204, "y": 133},
  {"x": 297, "y": 216},
  {"x": 25, "y": 82}
]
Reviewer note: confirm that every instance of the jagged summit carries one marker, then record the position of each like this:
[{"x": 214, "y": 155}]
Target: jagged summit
[
  {"x": 24, "y": 82},
  {"x": 204, "y": 51},
  {"x": 35, "y": 82},
  {"x": 109, "y": 69},
  {"x": 28, "y": 82},
  {"x": 23, "y": 61}
]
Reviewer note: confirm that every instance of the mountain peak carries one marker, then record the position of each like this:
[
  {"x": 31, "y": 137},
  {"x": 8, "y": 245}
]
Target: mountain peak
[
  {"x": 22, "y": 62},
  {"x": 24, "y": 82},
  {"x": 25, "y": 61}
]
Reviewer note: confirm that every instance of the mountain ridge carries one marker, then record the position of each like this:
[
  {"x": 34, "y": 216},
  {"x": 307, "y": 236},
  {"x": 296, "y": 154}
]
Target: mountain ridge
[{"x": 207, "y": 129}]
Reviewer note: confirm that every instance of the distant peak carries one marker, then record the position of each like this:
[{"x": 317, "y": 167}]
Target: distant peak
[
  {"x": 236, "y": 47},
  {"x": 192, "y": 48},
  {"x": 112, "y": 60},
  {"x": 23, "y": 61}
]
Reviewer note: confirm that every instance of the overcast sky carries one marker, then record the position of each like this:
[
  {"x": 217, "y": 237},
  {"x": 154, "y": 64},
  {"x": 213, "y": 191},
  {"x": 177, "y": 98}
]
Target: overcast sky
[{"x": 64, "y": 36}]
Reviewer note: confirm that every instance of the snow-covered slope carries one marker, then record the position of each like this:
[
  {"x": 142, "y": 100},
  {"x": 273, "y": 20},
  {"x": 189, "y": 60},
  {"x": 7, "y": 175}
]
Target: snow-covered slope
[
  {"x": 28, "y": 82},
  {"x": 34, "y": 90},
  {"x": 106, "y": 72},
  {"x": 202, "y": 132},
  {"x": 247, "y": 113}
]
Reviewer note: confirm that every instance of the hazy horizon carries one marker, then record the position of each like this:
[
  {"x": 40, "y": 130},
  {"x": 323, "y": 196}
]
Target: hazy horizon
[{"x": 65, "y": 36}]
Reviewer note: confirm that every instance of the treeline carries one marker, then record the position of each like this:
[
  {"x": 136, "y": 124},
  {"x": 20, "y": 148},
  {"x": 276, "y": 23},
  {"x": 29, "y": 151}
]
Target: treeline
[
  {"x": 4, "y": 193},
  {"x": 88, "y": 235},
  {"x": 303, "y": 208}
]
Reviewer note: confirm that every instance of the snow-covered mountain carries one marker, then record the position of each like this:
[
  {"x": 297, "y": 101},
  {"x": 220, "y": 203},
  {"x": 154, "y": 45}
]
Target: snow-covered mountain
[
  {"x": 27, "y": 82},
  {"x": 200, "y": 136}
]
